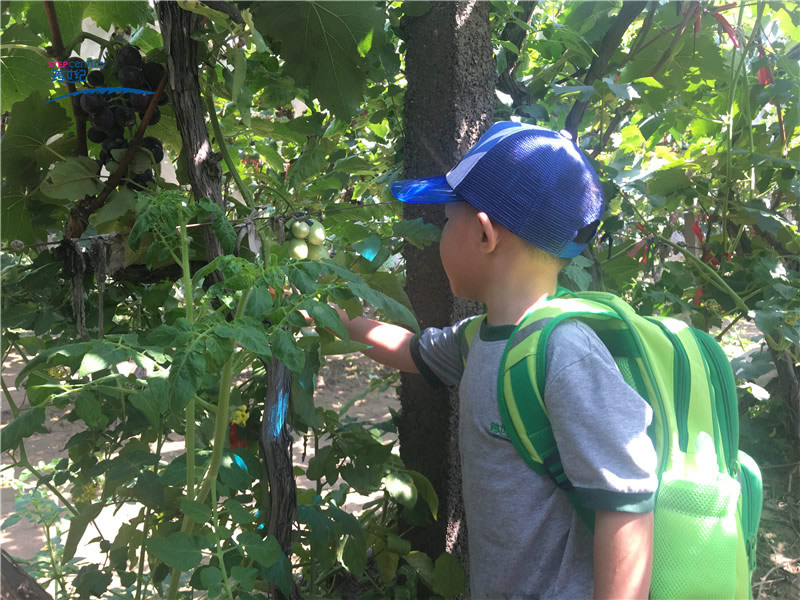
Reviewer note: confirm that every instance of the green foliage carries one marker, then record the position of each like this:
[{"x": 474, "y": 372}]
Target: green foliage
[
  {"x": 24, "y": 70},
  {"x": 328, "y": 57},
  {"x": 677, "y": 123}
]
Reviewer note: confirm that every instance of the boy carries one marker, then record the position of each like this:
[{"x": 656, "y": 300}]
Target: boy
[{"x": 520, "y": 205}]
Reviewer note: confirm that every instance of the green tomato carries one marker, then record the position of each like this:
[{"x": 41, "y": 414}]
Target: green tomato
[
  {"x": 298, "y": 249},
  {"x": 316, "y": 252},
  {"x": 316, "y": 235},
  {"x": 300, "y": 229}
]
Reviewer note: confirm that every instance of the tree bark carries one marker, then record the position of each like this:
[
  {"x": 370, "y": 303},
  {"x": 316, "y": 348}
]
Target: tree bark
[
  {"x": 17, "y": 584},
  {"x": 205, "y": 173},
  {"x": 449, "y": 103},
  {"x": 276, "y": 447}
]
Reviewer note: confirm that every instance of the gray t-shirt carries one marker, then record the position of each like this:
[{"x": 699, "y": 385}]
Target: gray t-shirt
[{"x": 525, "y": 539}]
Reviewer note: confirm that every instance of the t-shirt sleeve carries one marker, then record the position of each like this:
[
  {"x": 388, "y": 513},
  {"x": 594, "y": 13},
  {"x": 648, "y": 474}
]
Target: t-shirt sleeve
[
  {"x": 437, "y": 354},
  {"x": 599, "y": 423}
]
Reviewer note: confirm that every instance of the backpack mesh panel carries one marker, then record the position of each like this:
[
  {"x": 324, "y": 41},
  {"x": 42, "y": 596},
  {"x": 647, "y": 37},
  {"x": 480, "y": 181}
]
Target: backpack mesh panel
[{"x": 695, "y": 539}]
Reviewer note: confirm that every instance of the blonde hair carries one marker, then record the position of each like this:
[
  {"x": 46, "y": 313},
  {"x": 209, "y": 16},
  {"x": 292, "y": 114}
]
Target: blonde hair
[{"x": 543, "y": 256}]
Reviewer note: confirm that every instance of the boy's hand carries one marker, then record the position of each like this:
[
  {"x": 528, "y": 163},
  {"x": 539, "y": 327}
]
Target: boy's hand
[
  {"x": 389, "y": 344},
  {"x": 623, "y": 554},
  {"x": 306, "y": 316}
]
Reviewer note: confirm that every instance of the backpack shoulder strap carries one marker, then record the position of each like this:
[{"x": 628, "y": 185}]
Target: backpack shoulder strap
[
  {"x": 521, "y": 398},
  {"x": 467, "y": 334}
]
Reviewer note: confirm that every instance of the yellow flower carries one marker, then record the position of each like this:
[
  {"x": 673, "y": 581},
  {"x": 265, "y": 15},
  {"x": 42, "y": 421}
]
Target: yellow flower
[
  {"x": 240, "y": 416},
  {"x": 59, "y": 372},
  {"x": 87, "y": 494}
]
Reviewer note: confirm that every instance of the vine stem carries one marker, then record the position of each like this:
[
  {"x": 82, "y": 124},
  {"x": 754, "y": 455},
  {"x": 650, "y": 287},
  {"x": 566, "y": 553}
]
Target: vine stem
[
  {"x": 81, "y": 147},
  {"x": 58, "y": 575},
  {"x": 189, "y": 439},
  {"x": 221, "y": 424},
  {"x": 220, "y": 429},
  {"x": 86, "y": 36},
  {"x": 226, "y": 155},
  {"x": 187, "y": 275},
  {"x": 220, "y": 554},
  {"x": 39, "y": 51},
  {"x": 142, "y": 554},
  {"x": 709, "y": 273},
  {"x": 223, "y": 148}
]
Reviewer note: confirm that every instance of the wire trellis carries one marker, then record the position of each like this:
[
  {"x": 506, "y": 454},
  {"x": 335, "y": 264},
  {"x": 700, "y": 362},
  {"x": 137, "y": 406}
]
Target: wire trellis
[{"x": 19, "y": 247}]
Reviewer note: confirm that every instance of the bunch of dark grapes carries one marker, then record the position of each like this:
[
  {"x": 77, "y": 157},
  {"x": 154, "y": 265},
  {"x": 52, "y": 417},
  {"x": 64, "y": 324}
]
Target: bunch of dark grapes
[{"x": 113, "y": 116}]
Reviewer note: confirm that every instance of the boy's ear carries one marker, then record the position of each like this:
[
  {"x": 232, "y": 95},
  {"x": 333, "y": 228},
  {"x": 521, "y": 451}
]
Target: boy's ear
[{"x": 491, "y": 232}]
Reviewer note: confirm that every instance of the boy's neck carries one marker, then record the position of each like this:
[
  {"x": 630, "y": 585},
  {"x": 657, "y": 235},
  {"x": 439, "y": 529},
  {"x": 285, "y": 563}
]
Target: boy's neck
[
  {"x": 509, "y": 310},
  {"x": 514, "y": 289}
]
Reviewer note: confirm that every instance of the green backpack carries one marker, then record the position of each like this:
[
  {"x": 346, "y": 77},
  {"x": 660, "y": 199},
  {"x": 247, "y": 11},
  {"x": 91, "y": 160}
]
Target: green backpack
[{"x": 708, "y": 503}]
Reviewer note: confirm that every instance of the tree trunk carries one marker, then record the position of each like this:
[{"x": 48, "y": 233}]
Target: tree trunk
[
  {"x": 17, "y": 584},
  {"x": 449, "y": 103},
  {"x": 205, "y": 174}
]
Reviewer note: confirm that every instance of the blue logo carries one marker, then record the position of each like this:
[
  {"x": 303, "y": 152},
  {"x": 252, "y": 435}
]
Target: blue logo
[
  {"x": 106, "y": 90},
  {"x": 73, "y": 70}
]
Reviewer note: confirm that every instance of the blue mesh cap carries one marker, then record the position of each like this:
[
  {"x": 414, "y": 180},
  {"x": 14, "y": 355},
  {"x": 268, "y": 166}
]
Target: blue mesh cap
[{"x": 534, "y": 181}]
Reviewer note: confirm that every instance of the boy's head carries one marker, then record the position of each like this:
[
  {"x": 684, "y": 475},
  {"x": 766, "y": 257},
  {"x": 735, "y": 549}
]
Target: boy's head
[{"x": 534, "y": 182}]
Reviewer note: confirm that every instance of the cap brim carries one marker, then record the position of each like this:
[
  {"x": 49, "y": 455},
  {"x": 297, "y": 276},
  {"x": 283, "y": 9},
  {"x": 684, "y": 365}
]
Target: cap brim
[{"x": 425, "y": 189}]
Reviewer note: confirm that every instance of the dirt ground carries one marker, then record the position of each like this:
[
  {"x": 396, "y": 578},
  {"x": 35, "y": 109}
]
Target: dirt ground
[
  {"x": 341, "y": 379},
  {"x": 344, "y": 378},
  {"x": 778, "y": 571}
]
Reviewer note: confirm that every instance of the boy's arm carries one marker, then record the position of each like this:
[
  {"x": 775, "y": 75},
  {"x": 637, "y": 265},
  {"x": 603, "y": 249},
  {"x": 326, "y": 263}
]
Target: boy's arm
[
  {"x": 623, "y": 554},
  {"x": 390, "y": 344}
]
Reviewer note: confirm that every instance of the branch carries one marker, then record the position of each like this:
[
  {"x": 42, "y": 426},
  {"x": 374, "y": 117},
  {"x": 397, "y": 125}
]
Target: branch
[
  {"x": 226, "y": 8},
  {"x": 667, "y": 55},
  {"x": 223, "y": 148},
  {"x": 81, "y": 149},
  {"x": 608, "y": 46},
  {"x": 515, "y": 34},
  {"x": 710, "y": 274},
  {"x": 79, "y": 215}
]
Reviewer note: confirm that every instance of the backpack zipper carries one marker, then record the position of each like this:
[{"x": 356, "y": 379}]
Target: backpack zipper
[
  {"x": 649, "y": 374},
  {"x": 683, "y": 384},
  {"x": 730, "y": 435}
]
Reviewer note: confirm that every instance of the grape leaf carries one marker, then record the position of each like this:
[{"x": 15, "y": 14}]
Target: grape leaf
[
  {"x": 24, "y": 71},
  {"x": 119, "y": 202},
  {"x": 70, "y": 20},
  {"x": 127, "y": 13},
  {"x": 16, "y": 214},
  {"x": 328, "y": 57},
  {"x": 31, "y": 124},
  {"x": 72, "y": 179}
]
